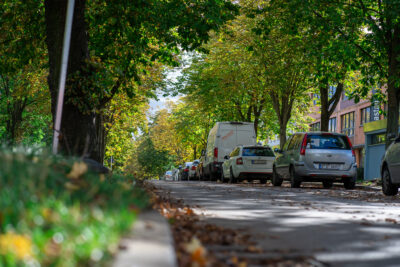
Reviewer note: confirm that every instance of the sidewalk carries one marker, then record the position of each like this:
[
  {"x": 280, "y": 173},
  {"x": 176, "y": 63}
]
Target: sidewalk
[{"x": 150, "y": 244}]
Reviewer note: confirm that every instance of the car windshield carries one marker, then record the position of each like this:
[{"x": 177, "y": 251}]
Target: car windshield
[
  {"x": 168, "y": 172},
  {"x": 327, "y": 142},
  {"x": 258, "y": 151}
]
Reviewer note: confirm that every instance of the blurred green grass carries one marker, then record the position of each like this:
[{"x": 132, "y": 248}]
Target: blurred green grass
[{"x": 55, "y": 212}]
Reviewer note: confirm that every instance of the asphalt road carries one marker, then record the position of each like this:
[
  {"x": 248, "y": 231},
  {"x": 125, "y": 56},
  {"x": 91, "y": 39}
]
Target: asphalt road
[{"x": 337, "y": 227}]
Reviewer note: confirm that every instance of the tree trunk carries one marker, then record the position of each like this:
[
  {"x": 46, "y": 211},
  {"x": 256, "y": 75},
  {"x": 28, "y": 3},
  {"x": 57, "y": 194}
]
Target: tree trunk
[
  {"x": 195, "y": 152},
  {"x": 328, "y": 105},
  {"x": 393, "y": 90},
  {"x": 283, "y": 109},
  {"x": 282, "y": 135},
  {"x": 324, "y": 98},
  {"x": 82, "y": 132}
]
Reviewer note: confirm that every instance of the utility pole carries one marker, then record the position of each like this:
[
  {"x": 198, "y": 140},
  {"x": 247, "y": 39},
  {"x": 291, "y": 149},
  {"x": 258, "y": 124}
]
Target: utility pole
[{"x": 63, "y": 73}]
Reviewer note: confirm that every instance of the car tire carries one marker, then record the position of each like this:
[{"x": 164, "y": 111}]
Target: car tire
[
  {"x": 232, "y": 179},
  {"x": 263, "y": 180},
  {"x": 327, "y": 184},
  {"x": 349, "y": 184},
  {"x": 295, "y": 180},
  {"x": 388, "y": 188},
  {"x": 276, "y": 179}
]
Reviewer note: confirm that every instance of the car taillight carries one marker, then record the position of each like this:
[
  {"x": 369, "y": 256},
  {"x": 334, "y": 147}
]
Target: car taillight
[
  {"x": 216, "y": 152},
  {"x": 239, "y": 161},
  {"x": 303, "y": 145},
  {"x": 351, "y": 146},
  {"x": 193, "y": 168},
  {"x": 186, "y": 170}
]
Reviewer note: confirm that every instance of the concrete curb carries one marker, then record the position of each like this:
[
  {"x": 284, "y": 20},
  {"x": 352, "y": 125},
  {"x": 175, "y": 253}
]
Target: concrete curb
[
  {"x": 375, "y": 188},
  {"x": 150, "y": 243}
]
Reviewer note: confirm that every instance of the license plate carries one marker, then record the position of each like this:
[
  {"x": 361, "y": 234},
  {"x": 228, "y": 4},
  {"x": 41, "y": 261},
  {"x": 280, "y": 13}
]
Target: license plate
[
  {"x": 258, "y": 162},
  {"x": 329, "y": 166}
]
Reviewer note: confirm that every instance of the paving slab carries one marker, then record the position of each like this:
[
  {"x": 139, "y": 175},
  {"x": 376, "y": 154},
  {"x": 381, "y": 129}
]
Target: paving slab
[{"x": 150, "y": 243}]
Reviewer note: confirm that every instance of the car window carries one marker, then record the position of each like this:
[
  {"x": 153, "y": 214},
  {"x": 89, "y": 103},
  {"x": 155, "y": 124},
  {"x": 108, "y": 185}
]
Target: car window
[
  {"x": 257, "y": 151},
  {"x": 287, "y": 143},
  {"x": 297, "y": 140},
  {"x": 327, "y": 142},
  {"x": 292, "y": 142},
  {"x": 235, "y": 152}
]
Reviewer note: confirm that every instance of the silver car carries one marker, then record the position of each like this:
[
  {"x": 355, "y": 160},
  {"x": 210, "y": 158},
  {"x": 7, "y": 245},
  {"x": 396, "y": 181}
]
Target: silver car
[
  {"x": 390, "y": 168},
  {"x": 316, "y": 157}
]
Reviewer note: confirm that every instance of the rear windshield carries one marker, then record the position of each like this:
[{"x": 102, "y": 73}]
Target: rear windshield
[
  {"x": 258, "y": 151},
  {"x": 327, "y": 142}
]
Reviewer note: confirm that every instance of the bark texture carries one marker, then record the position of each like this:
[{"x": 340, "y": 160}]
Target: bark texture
[
  {"x": 82, "y": 131},
  {"x": 328, "y": 105}
]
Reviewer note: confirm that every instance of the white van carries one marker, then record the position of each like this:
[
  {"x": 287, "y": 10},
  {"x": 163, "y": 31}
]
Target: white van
[{"x": 222, "y": 139}]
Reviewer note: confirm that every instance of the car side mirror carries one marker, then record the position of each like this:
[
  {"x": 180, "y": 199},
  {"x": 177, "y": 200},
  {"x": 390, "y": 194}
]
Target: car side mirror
[{"x": 226, "y": 157}]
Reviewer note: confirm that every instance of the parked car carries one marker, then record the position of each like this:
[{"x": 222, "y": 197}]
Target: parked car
[
  {"x": 168, "y": 176},
  {"x": 316, "y": 156},
  {"x": 222, "y": 139},
  {"x": 175, "y": 174},
  {"x": 390, "y": 168},
  {"x": 192, "y": 169},
  {"x": 248, "y": 163},
  {"x": 184, "y": 172}
]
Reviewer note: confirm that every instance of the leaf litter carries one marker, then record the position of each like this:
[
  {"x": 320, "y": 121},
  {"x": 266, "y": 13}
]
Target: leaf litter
[{"x": 200, "y": 244}]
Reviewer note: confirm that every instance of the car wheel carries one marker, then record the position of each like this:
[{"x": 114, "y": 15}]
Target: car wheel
[
  {"x": 388, "y": 188},
  {"x": 349, "y": 184},
  {"x": 232, "y": 179},
  {"x": 276, "y": 179},
  {"x": 295, "y": 180},
  {"x": 263, "y": 180},
  {"x": 327, "y": 184}
]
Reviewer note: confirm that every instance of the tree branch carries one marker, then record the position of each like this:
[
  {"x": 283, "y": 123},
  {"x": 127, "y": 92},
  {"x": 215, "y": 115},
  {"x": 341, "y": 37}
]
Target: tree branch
[{"x": 348, "y": 39}]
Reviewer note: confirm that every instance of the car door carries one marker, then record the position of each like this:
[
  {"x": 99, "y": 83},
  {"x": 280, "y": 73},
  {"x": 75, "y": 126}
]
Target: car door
[
  {"x": 227, "y": 164},
  {"x": 394, "y": 160},
  {"x": 281, "y": 161},
  {"x": 235, "y": 155},
  {"x": 289, "y": 154}
]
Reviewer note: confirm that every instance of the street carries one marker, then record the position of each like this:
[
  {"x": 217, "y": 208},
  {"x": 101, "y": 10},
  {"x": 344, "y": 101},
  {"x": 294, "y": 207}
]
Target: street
[{"x": 336, "y": 227}]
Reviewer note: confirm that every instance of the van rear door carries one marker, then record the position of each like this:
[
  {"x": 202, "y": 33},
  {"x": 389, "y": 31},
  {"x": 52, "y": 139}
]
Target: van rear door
[
  {"x": 227, "y": 141},
  {"x": 245, "y": 135}
]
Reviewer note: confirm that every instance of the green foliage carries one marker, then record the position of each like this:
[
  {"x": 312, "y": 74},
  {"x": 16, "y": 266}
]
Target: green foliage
[
  {"x": 152, "y": 160},
  {"x": 59, "y": 213}
]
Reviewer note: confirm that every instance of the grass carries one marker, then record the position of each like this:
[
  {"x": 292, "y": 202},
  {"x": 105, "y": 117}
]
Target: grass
[{"x": 54, "y": 212}]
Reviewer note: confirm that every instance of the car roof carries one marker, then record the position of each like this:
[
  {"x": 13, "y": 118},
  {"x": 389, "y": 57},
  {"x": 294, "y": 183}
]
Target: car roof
[{"x": 320, "y": 132}]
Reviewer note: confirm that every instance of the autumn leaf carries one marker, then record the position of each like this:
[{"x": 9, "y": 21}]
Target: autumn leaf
[{"x": 78, "y": 169}]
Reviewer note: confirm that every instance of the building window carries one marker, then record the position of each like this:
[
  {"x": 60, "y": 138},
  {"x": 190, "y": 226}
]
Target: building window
[
  {"x": 365, "y": 115},
  {"x": 332, "y": 125},
  {"x": 348, "y": 124},
  {"x": 378, "y": 139},
  {"x": 315, "y": 127}
]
